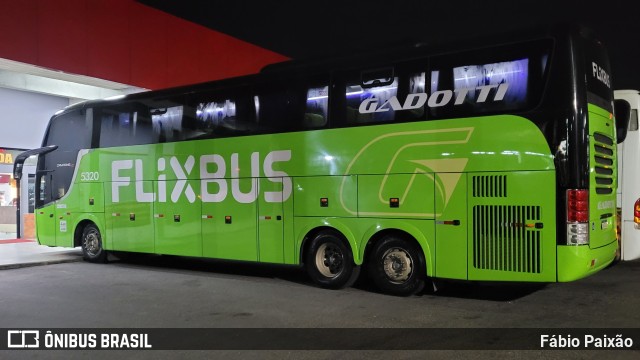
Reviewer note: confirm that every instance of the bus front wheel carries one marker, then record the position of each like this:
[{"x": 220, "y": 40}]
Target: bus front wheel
[
  {"x": 91, "y": 244},
  {"x": 397, "y": 267},
  {"x": 329, "y": 262}
]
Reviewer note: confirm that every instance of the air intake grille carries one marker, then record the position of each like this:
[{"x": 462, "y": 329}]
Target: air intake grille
[
  {"x": 490, "y": 186},
  {"x": 603, "y": 155},
  {"x": 506, "y": 238}
]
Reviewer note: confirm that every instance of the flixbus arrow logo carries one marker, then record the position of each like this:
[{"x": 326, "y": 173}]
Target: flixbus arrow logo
[{"x": 417, "y": 153}]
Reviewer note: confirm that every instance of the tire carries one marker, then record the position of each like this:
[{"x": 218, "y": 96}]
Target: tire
[
  {"x": 329, "y": 262},
  {"x": 91, "y": 243},
  {"x": 397, "y": 266}
]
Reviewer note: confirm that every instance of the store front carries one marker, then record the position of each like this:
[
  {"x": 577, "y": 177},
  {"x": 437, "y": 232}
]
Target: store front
[{"x": 9, "y": 196}]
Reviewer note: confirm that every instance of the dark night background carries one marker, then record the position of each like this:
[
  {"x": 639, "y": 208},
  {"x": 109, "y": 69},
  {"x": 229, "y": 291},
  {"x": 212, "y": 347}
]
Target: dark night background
[{"x": 304, "y": 29}]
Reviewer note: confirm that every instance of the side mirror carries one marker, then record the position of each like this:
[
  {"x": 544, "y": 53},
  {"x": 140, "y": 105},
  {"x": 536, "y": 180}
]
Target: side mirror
[
  {"x": 18, "y": 163},
  {"x": 622, "y": 110}
]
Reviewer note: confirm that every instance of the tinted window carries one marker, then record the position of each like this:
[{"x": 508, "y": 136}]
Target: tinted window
[
  {"x": 173, "y": 119},
  {"x": 280, "y": 107},
  {"x": 366, "y": 104},
  {"x": 221, "y": 114},
  {"x": 487, "y": 81},
  {"x": 124, "y": 124},
  {"x": 71, "y": 132},
  {"x": 391, "y": 94},
  {"x": 317, "y": 108},
  {"x": 166, "y": 123},
  {"x": 292, "y": 105}
]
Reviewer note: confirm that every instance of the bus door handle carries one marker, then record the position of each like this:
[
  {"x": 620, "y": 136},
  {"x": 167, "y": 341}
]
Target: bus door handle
[
  {"x": 449, "y": 222},
  {"x": 278, "y": 217}
]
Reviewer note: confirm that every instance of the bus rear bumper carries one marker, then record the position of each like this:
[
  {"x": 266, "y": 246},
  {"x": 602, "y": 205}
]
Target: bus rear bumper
[{"x": 576, "y": 262}]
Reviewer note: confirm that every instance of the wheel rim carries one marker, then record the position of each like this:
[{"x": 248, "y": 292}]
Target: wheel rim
[
  {"x": 329, "y": 260},
  {"x": 398, "y": 265},
  {"x": 91, "y": 243}
]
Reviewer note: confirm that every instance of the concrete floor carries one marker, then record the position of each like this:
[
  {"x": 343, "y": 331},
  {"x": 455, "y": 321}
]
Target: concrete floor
[
  {"x": 7, "y": 231},
  {"x": 174, "y": 292},
  {"x": 18, "y": 253}
]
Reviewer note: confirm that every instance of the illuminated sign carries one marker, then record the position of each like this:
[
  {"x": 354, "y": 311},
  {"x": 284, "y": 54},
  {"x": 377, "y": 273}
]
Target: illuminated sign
[{"x": 7, "y": 156}]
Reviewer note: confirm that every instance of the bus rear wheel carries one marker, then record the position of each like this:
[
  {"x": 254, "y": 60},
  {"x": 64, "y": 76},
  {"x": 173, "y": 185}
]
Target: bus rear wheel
[
  {"x": 329, "y": 262},
  {"x": 91, "y": 244},
  {"x": 397, "y": 266}
]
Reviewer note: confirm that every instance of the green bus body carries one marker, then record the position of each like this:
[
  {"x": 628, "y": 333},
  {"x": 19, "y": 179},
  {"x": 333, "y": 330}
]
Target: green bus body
[
  {"x": 439, "y": 170},
  {"x": 480, "y": 195}
]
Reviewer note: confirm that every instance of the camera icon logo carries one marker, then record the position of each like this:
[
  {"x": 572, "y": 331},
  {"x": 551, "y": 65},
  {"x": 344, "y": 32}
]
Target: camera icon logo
[{"x": 23, "y": 339}]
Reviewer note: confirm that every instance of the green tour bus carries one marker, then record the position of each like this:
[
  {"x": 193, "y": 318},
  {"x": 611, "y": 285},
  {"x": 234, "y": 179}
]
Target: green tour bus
[{"x": 491, "y": 160}]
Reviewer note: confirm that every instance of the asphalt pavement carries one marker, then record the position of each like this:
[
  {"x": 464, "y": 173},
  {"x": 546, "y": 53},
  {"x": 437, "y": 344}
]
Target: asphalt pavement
[{"x": 167, "y": 292}]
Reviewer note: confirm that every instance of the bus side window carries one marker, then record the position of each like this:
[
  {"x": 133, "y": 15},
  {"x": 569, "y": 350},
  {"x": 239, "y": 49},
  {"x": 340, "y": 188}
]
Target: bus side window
[
  {"x": 488, "y": 81},
  {"x": 412, "y": 97},
  {"x": 317, "y": 108},
  {"x": 368, "y": 102},
  {"x": 279, "y": 108},
  {"x": 222, "y": 114},
  {"x": 115, "y": 127},
  {"x": 394, "y": 93},
  {"x": 478, "y": 88},
  {"x": 167, "y": 124},
  {"x": 217, "y": 116},
  {"x": 129, "y": 124},
  {"x": 164, "y": 120}
]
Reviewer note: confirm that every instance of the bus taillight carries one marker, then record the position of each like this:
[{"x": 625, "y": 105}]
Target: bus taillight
[
  {"x": 577, "y": 217},
  {"x": 636, "y": 212}
]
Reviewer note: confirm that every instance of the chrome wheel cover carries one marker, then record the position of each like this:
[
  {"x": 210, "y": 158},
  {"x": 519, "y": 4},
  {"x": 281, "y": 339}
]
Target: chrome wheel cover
[
  {"x": 329, "y": 260},
  {"x": 91, "y": 243},
  {"x": 398, "y": 265}
]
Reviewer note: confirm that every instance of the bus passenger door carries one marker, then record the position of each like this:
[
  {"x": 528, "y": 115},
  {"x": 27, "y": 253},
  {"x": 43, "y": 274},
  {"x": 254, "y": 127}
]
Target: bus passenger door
[
  {"x": 46, "y": 225},
  {"x": 270, "y": 221},
  {"x": 45, "y": 215},
  {"x": 451, "y": 225}
]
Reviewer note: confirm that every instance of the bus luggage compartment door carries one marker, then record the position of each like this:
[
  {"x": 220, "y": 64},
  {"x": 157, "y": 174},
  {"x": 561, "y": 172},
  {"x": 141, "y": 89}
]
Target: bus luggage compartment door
[
  {"x": 451, "y": 227},
  {"x": 271, "y": 221},
  {"x": 229, "y": 228},
  {"x": 129, "y": 221},
  {"x": 177, "y": 219}
]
